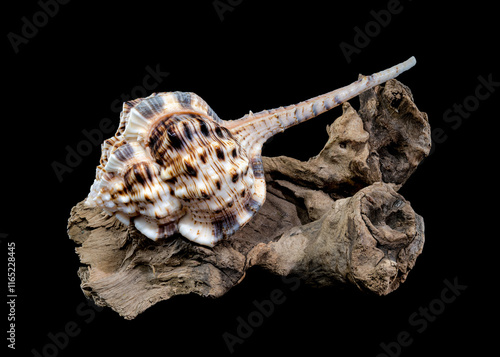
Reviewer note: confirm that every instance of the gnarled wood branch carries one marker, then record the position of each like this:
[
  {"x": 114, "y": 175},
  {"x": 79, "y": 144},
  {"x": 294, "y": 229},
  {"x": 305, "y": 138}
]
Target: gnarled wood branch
[{"x": 335, "y": 219}]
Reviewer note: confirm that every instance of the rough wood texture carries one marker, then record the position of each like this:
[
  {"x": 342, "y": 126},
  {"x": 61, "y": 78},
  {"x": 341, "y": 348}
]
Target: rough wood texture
[
  {"x": 335, "y": 219},
  {"x": 385, "y": 141}
]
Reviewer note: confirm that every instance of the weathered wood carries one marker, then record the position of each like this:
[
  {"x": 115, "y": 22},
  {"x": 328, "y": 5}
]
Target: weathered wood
[
  {"x": 385, "y": 141},
  {"x": 371, "y": 240},
  {"x": 335, "y": 219}
]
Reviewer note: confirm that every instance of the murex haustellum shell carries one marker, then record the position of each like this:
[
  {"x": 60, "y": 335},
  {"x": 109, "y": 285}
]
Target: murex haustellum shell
[{"x": 174, "y": 166}]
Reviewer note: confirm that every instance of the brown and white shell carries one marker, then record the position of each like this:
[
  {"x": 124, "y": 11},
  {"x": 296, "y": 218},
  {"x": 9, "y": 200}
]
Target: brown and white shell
[{"x": 174, "y": 166}]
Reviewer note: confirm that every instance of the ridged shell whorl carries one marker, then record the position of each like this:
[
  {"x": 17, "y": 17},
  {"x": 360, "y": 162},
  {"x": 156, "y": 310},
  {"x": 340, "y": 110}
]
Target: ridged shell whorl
[{"x": 174, "y": 167}]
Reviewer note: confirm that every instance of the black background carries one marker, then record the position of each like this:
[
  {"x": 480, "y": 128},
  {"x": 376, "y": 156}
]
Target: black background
[{"x": 260, "y": 56}]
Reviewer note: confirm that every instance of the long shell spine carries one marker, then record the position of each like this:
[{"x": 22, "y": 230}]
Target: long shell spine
[
  {"x": 254, "y": 129},
  {"x": 175, "y": 166}
]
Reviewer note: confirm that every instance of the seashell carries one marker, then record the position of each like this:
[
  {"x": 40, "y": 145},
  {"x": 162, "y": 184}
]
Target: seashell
[{"x": 174, "y": 166}]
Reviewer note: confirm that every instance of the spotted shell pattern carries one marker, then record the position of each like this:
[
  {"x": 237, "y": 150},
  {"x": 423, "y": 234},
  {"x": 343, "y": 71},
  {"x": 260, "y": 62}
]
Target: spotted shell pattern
[{"x": 174, "y": 166}]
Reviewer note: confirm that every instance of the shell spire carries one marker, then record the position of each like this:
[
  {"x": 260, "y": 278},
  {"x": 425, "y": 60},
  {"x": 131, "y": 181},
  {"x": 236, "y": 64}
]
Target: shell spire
[{"x": 271, "y": 122}]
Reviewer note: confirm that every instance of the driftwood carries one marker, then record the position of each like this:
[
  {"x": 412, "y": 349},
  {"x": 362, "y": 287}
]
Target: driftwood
[{"x": 335, "y": 219}]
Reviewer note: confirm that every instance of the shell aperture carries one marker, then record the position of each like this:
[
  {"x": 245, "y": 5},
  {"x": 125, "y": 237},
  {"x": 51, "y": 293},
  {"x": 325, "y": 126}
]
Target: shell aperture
[{"x": 174, "y": 166}]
